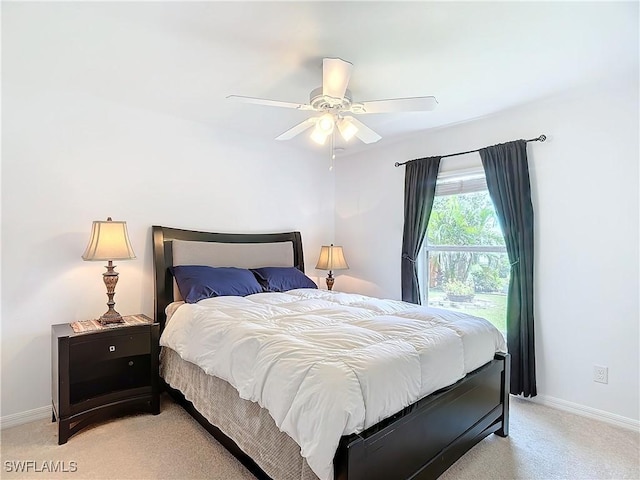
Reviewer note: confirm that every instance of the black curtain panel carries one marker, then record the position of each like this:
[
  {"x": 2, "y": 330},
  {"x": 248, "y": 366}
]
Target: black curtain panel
[
  {"x": 419, "y": 191},
  {"x": 507, "y": 173}
]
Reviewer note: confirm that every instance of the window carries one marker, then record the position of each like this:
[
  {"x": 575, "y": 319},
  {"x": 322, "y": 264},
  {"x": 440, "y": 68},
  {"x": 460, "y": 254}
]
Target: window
[{"x": 463, "y": 264}]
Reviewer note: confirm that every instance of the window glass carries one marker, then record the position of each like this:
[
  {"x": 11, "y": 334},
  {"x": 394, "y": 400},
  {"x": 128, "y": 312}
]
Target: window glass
[{"x": 464, "y": 262}]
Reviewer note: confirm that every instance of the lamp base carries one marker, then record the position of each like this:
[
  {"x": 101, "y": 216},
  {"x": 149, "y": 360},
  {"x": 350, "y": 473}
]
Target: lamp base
[
  {"x": 110, "y": 278},
  {"x": 111, "y": 316},
  {"x": 330, "y": 280}
]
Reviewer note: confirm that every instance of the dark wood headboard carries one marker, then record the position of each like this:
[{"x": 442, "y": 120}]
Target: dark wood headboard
[{"x": 163, "y": 256}]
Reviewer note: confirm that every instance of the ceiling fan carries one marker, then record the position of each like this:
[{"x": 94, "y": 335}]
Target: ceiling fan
[{"x": 334, "y": 102}]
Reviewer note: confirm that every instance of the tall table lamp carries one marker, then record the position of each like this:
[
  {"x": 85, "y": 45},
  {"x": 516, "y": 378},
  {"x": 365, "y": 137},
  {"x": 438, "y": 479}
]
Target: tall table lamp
[
  {"x": 109, "y": 241},
  {"x": 331, "y": 258}
]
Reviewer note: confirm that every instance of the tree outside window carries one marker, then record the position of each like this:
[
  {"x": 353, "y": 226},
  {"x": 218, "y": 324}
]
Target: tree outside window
[{"x": 467, "y": 267}]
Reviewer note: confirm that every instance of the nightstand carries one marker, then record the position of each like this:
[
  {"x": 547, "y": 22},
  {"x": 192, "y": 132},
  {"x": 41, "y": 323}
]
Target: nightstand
[{"x": 101, "y": 373}]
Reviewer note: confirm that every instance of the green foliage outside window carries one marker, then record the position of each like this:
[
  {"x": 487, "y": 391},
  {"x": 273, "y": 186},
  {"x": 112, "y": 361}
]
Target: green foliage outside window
[
  {"x": 466, "y": 220},
  {"x": 487, "y": 278},
  {"x": 459, "y": 291}
]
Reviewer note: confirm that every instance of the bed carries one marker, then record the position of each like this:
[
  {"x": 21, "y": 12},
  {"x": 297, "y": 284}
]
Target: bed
[{"x": 419, "y": 440}]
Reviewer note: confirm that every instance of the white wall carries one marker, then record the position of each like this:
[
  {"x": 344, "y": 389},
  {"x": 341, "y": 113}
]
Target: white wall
[
  {"x": 585, "y": 195},
  {"x": 70, "y": 158}
]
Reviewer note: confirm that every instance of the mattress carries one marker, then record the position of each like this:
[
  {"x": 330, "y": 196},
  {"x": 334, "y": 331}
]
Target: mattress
[{"x": 326, "y": 364}]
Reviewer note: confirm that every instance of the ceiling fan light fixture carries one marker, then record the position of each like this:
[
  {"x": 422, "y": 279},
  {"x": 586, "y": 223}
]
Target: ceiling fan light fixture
[
  {"x": 326, "y": 123},
  {"x": 319, "y": 136},
  {"x": 347, "y": 129}
]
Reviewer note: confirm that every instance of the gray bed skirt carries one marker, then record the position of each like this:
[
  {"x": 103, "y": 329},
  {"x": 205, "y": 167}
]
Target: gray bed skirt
[{"x": 245, "y": 422}]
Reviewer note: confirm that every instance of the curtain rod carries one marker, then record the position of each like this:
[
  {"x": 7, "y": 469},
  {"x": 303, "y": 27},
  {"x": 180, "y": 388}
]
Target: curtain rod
[{"x": 541, "y": 138}]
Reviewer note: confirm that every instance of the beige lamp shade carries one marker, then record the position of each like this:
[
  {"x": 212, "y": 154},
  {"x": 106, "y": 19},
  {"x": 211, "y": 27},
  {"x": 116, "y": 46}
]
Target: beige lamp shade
[
  {"x": 109, "y": 241},
  {"x": 331, "y": 258}
]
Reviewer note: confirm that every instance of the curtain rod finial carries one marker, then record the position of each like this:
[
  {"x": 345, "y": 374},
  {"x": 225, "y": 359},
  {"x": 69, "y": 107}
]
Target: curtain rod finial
[
  {"x": 397, "y": 164},
  {"x": 542, "y": 138}
]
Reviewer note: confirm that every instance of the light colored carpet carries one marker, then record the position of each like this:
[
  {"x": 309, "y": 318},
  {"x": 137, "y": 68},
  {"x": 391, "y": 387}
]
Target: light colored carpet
[
  {"x": 549, "y": 444},
  {"x": 544, "y": 444}
]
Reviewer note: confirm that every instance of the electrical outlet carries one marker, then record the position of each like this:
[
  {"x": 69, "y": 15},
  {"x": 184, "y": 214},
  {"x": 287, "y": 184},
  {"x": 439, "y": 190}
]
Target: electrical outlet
[{"x": 600, "y": 374}]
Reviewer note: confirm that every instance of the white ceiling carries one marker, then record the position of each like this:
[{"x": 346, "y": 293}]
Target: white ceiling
[{"x": 184, "y": 58}]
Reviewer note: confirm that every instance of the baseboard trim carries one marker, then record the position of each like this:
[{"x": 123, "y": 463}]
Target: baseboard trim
[
  {"x": 20, "y": 418},
  {"x": 584, "y": 411}
]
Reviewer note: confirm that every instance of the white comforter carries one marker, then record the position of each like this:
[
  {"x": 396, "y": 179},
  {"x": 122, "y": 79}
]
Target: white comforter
[{"x": 327, "y": 364}]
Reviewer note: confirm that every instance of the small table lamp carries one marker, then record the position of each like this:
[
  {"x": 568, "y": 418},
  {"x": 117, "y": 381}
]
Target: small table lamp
[
  {"x": 331, "y": 258},
  {"x": 109, "y": 241}
]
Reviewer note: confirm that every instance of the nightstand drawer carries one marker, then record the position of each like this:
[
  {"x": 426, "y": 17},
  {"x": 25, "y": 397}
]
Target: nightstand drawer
[{"x": 100, "y": 348}]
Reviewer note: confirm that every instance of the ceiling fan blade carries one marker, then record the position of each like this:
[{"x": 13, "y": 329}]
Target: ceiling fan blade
[
  {"x": 335, "y": 77},
  {"x": 364, "y": 133},
  {"x": 299, "y": 128},
  {"x": 413, "y": 104},
  {"x": 270, "y": 103}
]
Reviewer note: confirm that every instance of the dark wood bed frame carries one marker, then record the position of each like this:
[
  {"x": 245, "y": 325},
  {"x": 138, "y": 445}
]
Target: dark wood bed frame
[{"x": 419, "y": 442}]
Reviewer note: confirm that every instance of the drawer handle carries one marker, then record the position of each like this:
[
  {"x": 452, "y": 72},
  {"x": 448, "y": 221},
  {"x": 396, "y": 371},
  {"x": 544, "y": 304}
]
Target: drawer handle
[
  {"x": 112, "y": 348},
  {"x": 131, "y": 363}
]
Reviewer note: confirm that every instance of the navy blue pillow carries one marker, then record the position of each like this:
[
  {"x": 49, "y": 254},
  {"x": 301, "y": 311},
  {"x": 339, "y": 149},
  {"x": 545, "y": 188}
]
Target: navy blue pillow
[
  {"x": 197, "y": 282},
  {"x": 281, "y": 279}
]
